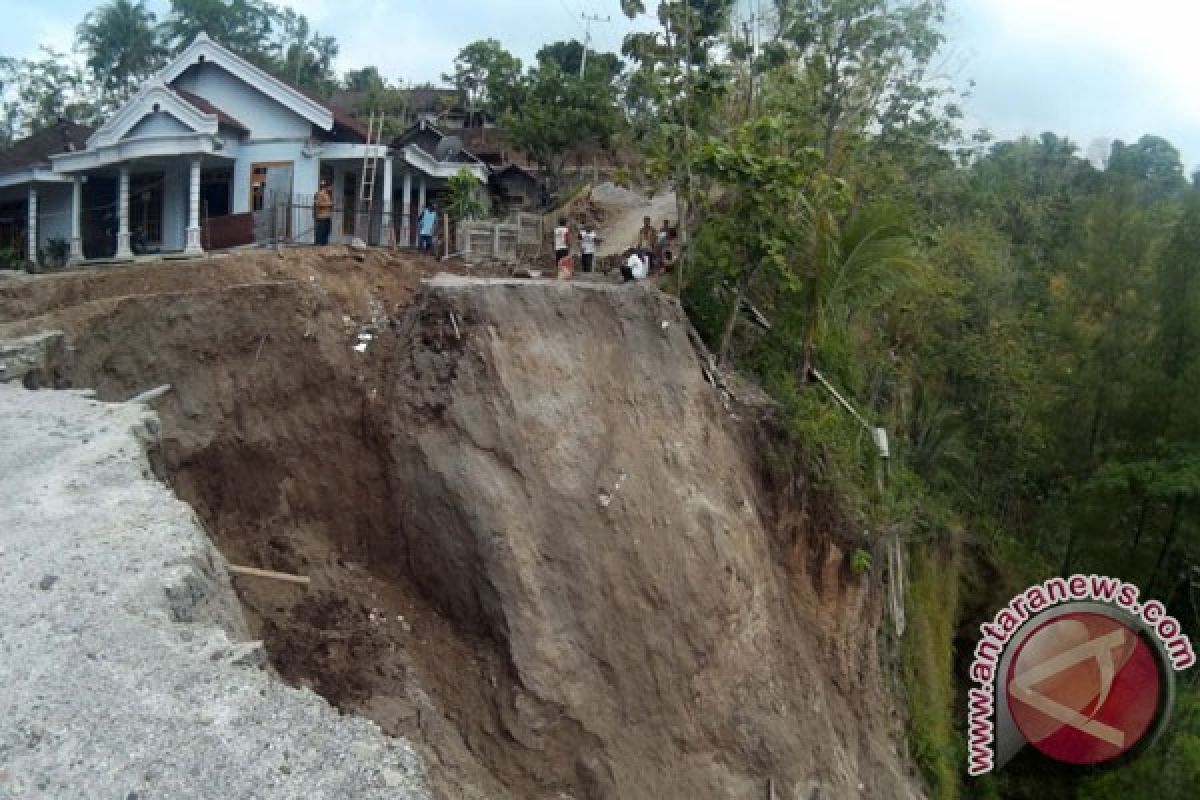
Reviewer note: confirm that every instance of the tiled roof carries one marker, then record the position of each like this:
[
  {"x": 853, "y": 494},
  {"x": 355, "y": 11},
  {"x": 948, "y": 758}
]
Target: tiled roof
[
  {"x": 36, "y": 149},
  {"x": 208, "y": 108}
]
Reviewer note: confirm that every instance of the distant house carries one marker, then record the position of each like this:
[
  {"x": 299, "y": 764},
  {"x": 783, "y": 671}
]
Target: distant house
[
  {"x": 210, "y": 138},
  {"x": 516, "y": 189}
]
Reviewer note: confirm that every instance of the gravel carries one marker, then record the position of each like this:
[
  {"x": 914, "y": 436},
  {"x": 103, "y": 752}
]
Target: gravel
[{"x": 123, "y": 652}]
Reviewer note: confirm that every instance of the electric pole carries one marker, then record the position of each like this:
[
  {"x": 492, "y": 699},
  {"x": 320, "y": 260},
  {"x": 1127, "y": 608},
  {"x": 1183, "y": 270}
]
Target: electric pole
[{"x": 587, "y": 37}]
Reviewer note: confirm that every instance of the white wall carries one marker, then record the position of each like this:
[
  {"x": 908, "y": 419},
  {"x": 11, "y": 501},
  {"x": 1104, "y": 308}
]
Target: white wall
[
  {"x": 305, "y": 170},
  {"x": 158, "y": 124},
  {"x": 265, "y": 118}
]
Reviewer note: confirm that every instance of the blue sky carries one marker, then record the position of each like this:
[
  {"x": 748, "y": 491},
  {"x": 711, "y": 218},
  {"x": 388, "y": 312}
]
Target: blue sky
[{"x": 1088, "y": 69}]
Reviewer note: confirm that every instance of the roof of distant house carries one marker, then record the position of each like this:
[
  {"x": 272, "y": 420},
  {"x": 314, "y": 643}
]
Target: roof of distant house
[
  {"x": 35, "y": 150},
  {"x": 208, "y": 108}
]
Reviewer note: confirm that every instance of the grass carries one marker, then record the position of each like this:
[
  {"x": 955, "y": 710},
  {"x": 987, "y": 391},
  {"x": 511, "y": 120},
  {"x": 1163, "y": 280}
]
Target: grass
[{"x": 927, "y": 662}]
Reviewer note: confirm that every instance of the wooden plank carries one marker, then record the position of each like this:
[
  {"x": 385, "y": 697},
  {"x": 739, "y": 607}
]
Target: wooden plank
[{"x": 252, "y": 572}]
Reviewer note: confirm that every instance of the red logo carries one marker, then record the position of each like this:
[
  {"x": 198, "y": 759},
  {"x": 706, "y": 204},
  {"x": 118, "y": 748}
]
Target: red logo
[{"x": 1084, "y": 688}]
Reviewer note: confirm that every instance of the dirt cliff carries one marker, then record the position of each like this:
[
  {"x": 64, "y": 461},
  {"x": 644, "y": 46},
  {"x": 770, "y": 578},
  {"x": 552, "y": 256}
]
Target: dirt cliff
[
  {"x": 567, "y": 482},
  {"x": 542, "y": 547}
]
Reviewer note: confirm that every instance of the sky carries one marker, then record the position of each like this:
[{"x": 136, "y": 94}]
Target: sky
[{"x": 1087, "y": 69}]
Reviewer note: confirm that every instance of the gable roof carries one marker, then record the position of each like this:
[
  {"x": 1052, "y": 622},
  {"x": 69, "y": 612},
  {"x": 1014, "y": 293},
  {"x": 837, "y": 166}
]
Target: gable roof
[
  {"x": 208, "y": 108},
  {"x": 410, "y": 136},
  {"x": 36, "y": 149},
  {"x": 153, "y": 98},
  {"x": 204, "y": 49}
]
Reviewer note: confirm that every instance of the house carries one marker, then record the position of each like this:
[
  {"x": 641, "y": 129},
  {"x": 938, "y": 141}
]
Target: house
[
  {"x": 209, "y": 140},
  {"x": 516, "y": 189}
]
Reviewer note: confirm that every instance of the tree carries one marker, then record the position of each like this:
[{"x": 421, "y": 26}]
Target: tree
[
  {"x": 243, "y": 26},
  {"x": 463, "y": 201},
  {"x": 675, "y": 88},
  {"x": 487, "y": 73},
  {"x": 559, "y": 113},
  {"x": 303, "y": 56},
  {"x": 569, "y": 55},
  {"x": 861, "y": 82},
  {"x": 42, "y": 92},
  {"x": 123, "y": 47}
]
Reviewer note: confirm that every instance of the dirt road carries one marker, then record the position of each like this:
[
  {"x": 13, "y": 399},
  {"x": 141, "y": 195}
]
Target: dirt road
[{"x": 621, "y": 231}]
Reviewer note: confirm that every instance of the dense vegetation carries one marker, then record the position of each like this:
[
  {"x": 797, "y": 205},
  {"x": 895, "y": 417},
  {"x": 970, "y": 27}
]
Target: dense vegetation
[{"x": 1023, "y": 321}]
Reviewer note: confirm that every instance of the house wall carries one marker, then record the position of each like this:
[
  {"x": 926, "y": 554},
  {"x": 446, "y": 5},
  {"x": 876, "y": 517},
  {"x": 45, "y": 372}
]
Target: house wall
[
  {"x": 54, "y": 212},
  {"x": 175, "y": 206},
  {"x": 265, "y": 118},
  {"x": 157, "y": 124},
  {"x": 305, "y": 173}
]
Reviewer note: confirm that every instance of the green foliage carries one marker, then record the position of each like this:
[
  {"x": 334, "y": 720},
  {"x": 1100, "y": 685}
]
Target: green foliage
[
  {"x": 1169, "y": 770},
  {"x": 55, "y": 253},
  {"x": 860, "y": 562},
  {"x": 123, "y": 47},
  {"x": 463, "y": 199},
  {"x": 927, "y": 668},
  {"x": 489, "y": 76},
  {"x": 559, "y": 112}
]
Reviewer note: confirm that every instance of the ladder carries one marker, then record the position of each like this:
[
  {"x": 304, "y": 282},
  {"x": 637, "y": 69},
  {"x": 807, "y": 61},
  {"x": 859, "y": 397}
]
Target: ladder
[{"x": 366, "y": 184}]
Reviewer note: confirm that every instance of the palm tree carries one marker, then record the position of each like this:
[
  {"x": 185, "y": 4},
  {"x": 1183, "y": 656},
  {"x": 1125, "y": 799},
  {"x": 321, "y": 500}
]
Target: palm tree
[{"x": 122, "y": 43}]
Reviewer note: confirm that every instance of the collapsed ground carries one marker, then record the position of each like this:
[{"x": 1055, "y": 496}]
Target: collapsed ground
[{"x": 303, "y": 455}]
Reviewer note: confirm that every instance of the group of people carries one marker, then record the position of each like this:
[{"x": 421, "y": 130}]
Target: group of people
[
  {"x": 323, "y": 209},
  {"x": 651, "y": 253}
]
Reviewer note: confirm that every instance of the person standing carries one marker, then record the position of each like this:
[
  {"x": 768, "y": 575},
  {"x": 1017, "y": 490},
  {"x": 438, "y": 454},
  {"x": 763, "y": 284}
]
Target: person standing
[
  {"x": 647, "y": 238},
  {"x": 323, "y": 212},
  {"x": 562, "y": 240},
  {"x": 587, "y": 247},
  {"x": 426, "y": 225}
]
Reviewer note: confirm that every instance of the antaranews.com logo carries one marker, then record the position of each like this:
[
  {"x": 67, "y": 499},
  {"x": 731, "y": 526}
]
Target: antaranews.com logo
[{"x": 1077, "y": 667}]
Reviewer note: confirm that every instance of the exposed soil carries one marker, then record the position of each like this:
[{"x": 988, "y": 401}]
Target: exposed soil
[{"x": 286, "y": 441}]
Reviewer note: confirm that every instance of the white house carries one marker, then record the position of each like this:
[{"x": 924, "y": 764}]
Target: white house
[{"x": 210, "y": 141}]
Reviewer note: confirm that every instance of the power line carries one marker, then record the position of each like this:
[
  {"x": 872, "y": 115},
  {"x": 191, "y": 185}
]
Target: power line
[{"x": 587, "y": 37}]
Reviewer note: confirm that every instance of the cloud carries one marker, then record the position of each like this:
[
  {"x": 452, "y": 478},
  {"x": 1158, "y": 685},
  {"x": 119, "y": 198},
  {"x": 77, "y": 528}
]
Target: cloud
[{"x": 1086, "y": 68}]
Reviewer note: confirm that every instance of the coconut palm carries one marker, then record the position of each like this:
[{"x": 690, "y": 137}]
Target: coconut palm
[{"x": 122, "y": 45}]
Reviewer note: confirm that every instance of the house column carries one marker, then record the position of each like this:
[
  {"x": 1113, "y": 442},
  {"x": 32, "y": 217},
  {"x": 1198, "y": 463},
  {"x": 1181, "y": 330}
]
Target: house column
[
  {"x": 421, "y": 199},
  {"x": 32, "y": 220},
  {"x": 338, "y": 227},
  {"x": 123, "y": 250},
  {"x": 388, "y": 238},
  {"x": 406, "y": 211},
  {"x": 193, "y": 229},
  {"x": 76, "y": 254}
]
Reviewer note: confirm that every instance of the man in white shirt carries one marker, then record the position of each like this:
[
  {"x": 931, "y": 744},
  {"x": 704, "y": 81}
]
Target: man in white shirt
[
  {"x": 562, "y": 241},
  {"x": 587, "y": 246},
  {"x": 634, "y": 269}
]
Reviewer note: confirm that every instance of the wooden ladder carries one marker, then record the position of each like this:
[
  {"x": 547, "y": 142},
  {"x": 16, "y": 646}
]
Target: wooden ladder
[{"x": 366, "y": 183}]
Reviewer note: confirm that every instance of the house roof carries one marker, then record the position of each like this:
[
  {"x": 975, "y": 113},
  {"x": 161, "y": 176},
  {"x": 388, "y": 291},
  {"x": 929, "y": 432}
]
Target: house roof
[
  {"x": 33, "y": 150},
  {"x": 208, "y": 108},
  {"x": 409, "y": 137},
  {"x": 204, "y": 49}
]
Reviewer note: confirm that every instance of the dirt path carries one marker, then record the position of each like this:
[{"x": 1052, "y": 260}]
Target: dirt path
[{"x": 621, "y": 231}]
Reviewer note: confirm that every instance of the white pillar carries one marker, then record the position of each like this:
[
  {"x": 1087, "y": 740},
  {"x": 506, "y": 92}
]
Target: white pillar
[
  {"x": 338, "y": 228},
  {"x": 32, "y": 244},
  {"x": 421, "y": 198},
  {"x": 76, "y": 254},
  {"x": 193, "y": 228},
  {"x": 387, "y": 231},
  {"x": 406, "y": 234},
  {"x": 123, "y": 250}
]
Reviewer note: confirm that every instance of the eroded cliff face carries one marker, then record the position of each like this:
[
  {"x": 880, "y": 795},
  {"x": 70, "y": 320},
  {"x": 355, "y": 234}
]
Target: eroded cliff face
[
  {"x": 567, "y": 483},
  {"x": 543, "y": 548}
]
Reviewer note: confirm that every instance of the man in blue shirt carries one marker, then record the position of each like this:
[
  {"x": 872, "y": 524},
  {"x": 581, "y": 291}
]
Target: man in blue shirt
[{"x": 426, "y": 224}]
